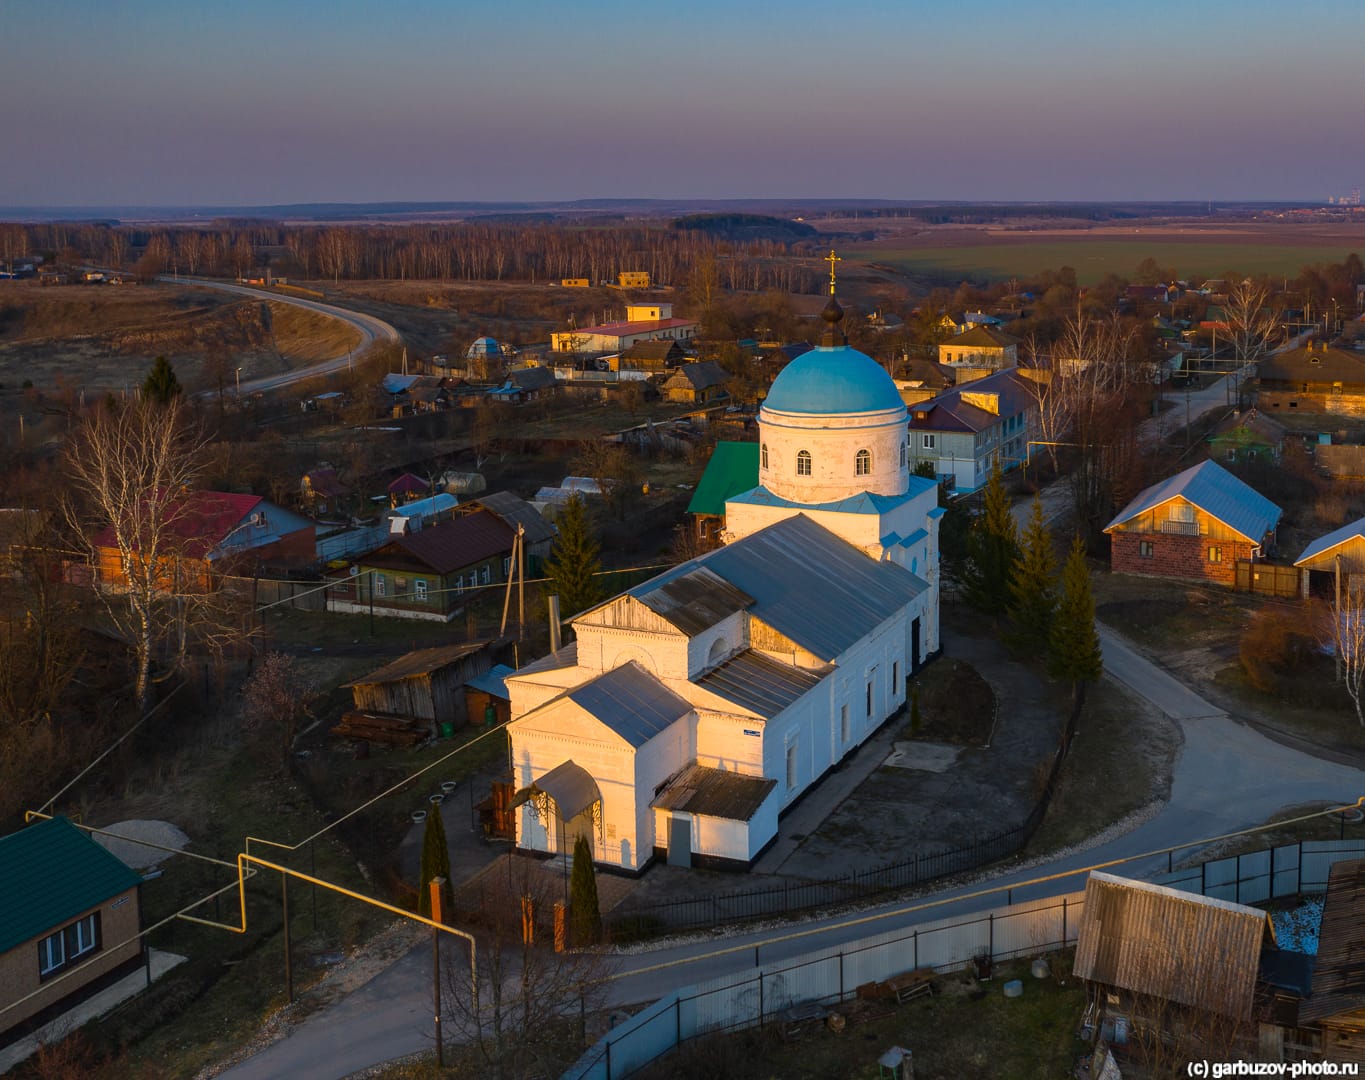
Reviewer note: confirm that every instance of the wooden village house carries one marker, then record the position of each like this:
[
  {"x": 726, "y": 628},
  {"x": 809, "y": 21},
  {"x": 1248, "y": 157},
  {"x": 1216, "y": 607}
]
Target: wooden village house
[
  {"x": 1317, "y": 378},
  {"x": 1336, "y": 1006},
  {"x": 420, "y": 694}
]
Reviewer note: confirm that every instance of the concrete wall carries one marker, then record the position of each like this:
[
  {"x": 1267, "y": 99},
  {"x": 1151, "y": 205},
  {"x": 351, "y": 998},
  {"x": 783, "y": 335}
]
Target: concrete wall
[{"x": 19, "y": 974}]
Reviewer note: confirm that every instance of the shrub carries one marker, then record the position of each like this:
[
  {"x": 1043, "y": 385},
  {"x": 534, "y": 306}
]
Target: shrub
[{"x": 1276, "y": 644}]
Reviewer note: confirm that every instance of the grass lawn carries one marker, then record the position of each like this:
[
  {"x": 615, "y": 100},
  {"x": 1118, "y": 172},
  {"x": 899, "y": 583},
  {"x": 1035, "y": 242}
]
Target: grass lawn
[
  {"x": 1120, "y": 761},
  {"x": 1093, "y": 258}
]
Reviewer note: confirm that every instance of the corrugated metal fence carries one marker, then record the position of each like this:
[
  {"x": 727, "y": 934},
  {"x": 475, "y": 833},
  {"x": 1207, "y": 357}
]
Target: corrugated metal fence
[
  {"x": 834, "y": 974},
  {"x": 827, "y": 976},
  {"x": 1268, "y": 874}
]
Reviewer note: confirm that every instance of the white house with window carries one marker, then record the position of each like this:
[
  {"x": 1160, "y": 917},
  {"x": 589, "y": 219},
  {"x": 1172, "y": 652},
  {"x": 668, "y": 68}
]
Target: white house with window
[
  {"x": 963, "y": 431},
  {"x": 692, "y": 710}
]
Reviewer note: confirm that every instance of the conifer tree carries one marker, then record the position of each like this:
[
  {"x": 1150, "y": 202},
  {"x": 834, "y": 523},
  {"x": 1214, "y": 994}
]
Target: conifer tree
[
  {"x": 161, "y": 384},
  {"x": 992, "y": 546},
  {"x": 1033, "y": 590},
  {"x": 435, "y": 863},
  {"x": 573, "y": 560},
  {"x": 1075, "y": 645},
  {"x": 586, "y": 918}
]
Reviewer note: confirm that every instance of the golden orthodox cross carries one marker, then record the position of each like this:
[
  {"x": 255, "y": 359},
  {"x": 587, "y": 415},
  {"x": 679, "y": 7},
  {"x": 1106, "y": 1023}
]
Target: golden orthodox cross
[{"x": 832, "y": 258}]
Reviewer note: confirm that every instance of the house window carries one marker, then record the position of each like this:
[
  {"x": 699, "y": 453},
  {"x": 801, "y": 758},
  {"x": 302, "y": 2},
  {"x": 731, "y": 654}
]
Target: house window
[
  {"x": 1144, "y": 549},
  {"x": 420, "y": 587},
  {"x": 485, "y": 574},
  {"x": 929, "y": 442},
  {"x": 1181, "y": 512},
  {"x": 845, "y": 724},
  {"x": 1215, "y": 554},
  {"x": 507, "y": 567},
  {"x": 863, "y": 463},
  {"x": 763, "y": 452},
  {"x": 68, "y": 945},
  {"x": 803, "y": 463},
  {"x": 400, "y": 588},
  {"x": 459, "y": 584},
  {"x": 793, "y": 765},
  {"x": 895, "y": 678},
  {"x": 869, "y": 699},
  {"x": 380, "y": 585},
  {"x": 902, "y": 455}
]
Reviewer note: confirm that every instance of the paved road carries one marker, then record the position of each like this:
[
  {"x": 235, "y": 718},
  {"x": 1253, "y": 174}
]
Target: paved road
[
  {"x": 1227, "y": 777},
  {"x": 371, "y": 331}
]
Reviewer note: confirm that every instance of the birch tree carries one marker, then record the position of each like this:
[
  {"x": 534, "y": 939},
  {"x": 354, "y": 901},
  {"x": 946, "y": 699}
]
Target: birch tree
[{"x": 129, "y": 469}]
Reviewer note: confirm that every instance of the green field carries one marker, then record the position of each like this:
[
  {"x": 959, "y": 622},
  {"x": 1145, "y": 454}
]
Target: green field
[{"x": 1092, "y": 259}]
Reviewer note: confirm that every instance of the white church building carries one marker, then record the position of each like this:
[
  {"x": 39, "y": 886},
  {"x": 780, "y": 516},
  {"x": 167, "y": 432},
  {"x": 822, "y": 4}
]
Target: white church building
[{"x": 692, "y": 710}]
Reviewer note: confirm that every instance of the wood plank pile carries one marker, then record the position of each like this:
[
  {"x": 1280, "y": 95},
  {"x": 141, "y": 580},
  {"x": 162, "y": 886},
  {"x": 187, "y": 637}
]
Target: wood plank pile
[
  {"x": 379, "y": 728},
  {"x": 900, "y": 987}
]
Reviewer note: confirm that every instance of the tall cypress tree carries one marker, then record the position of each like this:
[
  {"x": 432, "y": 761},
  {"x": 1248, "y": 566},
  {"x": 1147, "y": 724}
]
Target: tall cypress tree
[
  {"x": 1075, "y": 644},
  {"x": 1033, "y": 590},
  {"x": 584, "y": 915},
  {"x": 573, "y": 560},
  {"x": 992, "y": 547},
  {"x": 435, "y": 863},
  {"x": 161, "y": 384}
]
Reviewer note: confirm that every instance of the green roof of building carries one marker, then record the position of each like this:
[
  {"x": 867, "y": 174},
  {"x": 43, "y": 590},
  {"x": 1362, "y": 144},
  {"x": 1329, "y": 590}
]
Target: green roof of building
[
  {"x": 50, "y": 873},
  {"x": 732, "y": 470}
]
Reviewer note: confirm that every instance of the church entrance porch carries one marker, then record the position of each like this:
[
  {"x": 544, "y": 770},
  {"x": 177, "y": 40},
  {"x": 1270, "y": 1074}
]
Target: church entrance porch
[{"x": 557, "y": 809}]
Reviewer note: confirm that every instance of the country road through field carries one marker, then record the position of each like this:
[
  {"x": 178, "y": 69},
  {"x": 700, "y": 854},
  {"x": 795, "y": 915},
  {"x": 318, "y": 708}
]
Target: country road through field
[{"x": 371, "y": 330}]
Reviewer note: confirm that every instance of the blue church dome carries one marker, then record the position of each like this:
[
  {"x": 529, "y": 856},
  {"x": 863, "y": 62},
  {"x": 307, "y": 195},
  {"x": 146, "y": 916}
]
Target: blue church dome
[{"x": 828, "y": 380}]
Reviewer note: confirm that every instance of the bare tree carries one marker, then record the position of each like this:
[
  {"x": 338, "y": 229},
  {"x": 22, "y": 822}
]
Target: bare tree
[
  {"x": 278, "y": 696},
  {"x": 1342, "y": 628},
  {"x": 130, "y": 469},
  {"x": 523, "y": 1017},
  {"x": 1251, "y": 321}
]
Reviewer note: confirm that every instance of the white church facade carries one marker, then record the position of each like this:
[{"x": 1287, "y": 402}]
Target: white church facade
[{"x": 692, "y": 710}]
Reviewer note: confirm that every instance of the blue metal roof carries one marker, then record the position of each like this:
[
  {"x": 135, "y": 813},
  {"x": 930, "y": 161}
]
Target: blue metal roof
[
  {"x": 829, "y": 381},
  {"x": 865, "y": 502},
  {"x": 1218, "y": 493},
  {"x": 809, "y": 585},
  {"x": 1355, "y": 530},
  {"x": 493, "y": 681},
  {"x": 630, "y": 701}
]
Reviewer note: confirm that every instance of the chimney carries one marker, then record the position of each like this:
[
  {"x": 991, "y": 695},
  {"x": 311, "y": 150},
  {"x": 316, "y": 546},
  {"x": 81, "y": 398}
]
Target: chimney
[{"x": 552, "y": 602}]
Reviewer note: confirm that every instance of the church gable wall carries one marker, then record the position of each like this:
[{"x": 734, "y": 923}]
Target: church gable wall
[
  {"x": 765, "y": 639},
  {"x": 718, "y": 643},
  {"x": 605, "y": 648}
]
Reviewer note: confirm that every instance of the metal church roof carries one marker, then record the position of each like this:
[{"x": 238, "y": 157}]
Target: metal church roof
[
  {"x": 809, "y": 585},
  {"x": 708, "y": 792},
  {"x": 833, "y": 381},
  {"x": 732, "y": 470},
  {"x": 694, "y": 602},
  {"x": 631, "y": 702},
  {"x": 1217, "y": 492},
  {"x": 759, "y": 683}
]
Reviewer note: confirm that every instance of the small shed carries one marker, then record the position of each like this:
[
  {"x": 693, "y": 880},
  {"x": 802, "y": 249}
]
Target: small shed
[
  {"x": 1158, "y": 946},
  {"x": 1337, "y": 554},
  {"x": 487, "y": 700},
  {"x": 424, "y": 685},
  {"x": 1337, "y": 1004}
]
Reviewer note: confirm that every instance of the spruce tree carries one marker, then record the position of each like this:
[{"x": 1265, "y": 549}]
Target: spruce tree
[
  {"x": 1075, "y": 645},
  {"x": 435, "y": 863},
  {"x": 992, "y": 546},
  {"x": 161, "y": 384},
  {"x": 1033, "y": 590},
  {"x": 573, "y": 560},
  {"x": 585, "y": 918}
]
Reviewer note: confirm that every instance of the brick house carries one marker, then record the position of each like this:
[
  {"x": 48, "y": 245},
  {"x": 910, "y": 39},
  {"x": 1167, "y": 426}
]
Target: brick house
[
  {"x": 70, "y": 916},
  {"x": 1194, "y": 526},
  {"x": 1315, "y": 379}
]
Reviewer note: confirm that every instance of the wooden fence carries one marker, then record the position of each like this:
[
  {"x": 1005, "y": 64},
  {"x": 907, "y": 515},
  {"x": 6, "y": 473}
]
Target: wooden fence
[{"x": 1269, "y": 579}]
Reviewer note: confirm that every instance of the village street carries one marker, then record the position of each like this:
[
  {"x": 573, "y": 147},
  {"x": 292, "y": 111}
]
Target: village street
[{"x": 1227, "y": 777}]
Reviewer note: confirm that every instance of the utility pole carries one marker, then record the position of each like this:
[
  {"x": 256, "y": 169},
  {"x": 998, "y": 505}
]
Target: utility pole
[
  {"x": 288, "y": 958},
  {"x": 436, "y": 884}
]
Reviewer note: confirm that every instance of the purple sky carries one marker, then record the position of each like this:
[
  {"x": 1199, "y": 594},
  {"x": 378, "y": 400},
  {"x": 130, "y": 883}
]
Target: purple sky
[{"x": 155, "y": 103}]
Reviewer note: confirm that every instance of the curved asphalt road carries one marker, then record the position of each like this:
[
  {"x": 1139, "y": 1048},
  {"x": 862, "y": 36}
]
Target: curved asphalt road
[
  {"x": 1227, "y": 777},
  {"x": 371, "y": 331}
]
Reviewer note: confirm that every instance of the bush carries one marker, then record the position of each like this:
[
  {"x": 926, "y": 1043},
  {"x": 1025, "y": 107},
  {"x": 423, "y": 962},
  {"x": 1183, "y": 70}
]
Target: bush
[{"x": 1276, "y": 644}]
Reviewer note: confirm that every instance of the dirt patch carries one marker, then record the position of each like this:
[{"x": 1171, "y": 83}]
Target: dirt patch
[{"x": 956, "y": 705}]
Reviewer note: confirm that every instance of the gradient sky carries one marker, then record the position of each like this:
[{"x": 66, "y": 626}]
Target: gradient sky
[{"x": 142, "y": 102}]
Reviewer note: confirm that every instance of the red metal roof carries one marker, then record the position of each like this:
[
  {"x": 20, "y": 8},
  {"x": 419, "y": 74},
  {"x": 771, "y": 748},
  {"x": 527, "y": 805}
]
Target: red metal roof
[
  {"x": 407, "y": 482},
  {"x": 199, "y": 521}
]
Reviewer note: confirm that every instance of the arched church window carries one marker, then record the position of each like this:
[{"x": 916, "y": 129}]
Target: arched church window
[
  {"x": 863, "y": 465},
  {"x": 803, "y": 463},
  {"x": 902, "y": 455},
  {"x": 765, "y": 455}
]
